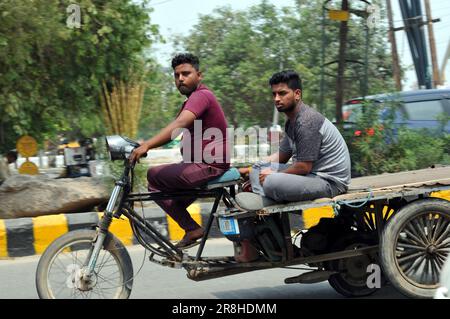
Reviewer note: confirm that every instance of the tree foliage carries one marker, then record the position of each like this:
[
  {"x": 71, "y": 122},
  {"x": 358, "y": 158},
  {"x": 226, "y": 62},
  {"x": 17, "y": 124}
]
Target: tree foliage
[
  {"x": 162, "y": 101},
  {"x": 121, "y": 106},
  {"x": 240, "y": 50},
  {"x": 51, "y": 75}
]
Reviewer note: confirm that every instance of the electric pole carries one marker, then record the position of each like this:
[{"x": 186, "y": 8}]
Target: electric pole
[
  {"x": 340, "y": 84},
  {"x": 275, "y": 118},
  {"x": 434, "y": 63},
  {"x": 395, "y": 60}
]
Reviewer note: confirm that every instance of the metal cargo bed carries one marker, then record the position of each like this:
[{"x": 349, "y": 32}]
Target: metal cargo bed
[{"x": 376, "y": 187}]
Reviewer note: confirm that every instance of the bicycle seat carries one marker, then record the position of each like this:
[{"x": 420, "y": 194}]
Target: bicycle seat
[{"x": 229, "y": 178}]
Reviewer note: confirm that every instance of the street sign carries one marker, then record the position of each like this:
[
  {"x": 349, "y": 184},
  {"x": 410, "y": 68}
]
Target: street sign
[
  {"x": 338, "y": 15},
  {"x": 28, "y": 168},
  {"x": 27, "y": 146}
]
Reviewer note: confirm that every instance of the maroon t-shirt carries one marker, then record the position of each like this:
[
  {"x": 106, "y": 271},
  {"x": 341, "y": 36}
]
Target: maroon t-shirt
[{"x": 207, "y": 142}]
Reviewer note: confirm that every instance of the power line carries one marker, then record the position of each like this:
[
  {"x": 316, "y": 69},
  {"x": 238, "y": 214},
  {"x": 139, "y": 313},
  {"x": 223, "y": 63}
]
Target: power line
[
  {"x": 443, "y": 26},
  {"x": 161, "y": 2},
  {"x": 412, "y": 18},
  {"x": 444, "y": 8},
  {"x": 417, "y": 17},
  {"x": 440, "y": 16}
]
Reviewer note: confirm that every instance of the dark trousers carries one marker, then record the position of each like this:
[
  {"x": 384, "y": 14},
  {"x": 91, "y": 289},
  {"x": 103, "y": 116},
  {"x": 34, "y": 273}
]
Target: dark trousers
[{"x": 176, "y": 177}]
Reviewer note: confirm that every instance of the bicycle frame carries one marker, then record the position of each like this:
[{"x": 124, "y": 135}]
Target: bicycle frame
[
  {"x": 379, "y": 224},
  {"x": 123, "y": 199}
]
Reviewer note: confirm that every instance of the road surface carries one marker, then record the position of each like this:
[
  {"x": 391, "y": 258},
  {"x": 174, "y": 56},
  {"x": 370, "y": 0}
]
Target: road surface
[{"x": 17, "y": 281}]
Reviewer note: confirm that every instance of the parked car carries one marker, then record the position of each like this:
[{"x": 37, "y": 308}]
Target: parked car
[{"x": 416, "y": 109}]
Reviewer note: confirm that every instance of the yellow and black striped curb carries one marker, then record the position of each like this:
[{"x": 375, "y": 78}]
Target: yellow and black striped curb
[{"x": 31, "y": 236}]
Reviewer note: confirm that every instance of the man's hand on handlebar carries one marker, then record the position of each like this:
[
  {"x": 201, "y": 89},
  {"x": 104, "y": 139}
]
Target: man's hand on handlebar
[{"x": 138, "y": 152}]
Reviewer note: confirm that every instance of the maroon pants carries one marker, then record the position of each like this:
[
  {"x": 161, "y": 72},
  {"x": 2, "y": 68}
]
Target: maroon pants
[{"x": 176, "y": 177}]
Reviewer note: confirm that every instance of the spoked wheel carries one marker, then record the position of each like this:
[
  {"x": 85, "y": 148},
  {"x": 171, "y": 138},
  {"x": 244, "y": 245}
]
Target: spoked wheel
[
  {"x": 60, "y": 269},
  {"x": 352, "y": 277},
  {"x": 373, "y": 217},
  {"x": 414, "y": 246}
]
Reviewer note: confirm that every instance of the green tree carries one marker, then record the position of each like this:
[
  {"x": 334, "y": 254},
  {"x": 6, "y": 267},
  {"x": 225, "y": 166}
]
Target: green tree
[
  {"x": 235, "y": 60},
  {"x": 162, "y": 101},
  {"x": 240, "y": 50},
  {"x": 306, "y": 24},
  {"x": 51, "y": 75}
]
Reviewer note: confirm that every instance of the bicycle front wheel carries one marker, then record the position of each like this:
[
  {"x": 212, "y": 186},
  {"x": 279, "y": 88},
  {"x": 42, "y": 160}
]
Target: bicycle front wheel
[{"x": 59, "y": 270}]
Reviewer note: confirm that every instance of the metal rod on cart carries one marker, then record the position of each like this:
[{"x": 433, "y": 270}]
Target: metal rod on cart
[
  {"x": 208, "y": 226},
  {"x": 134, "y": 197},
  {"x": 379, "y": 222},
  {"x": 145, "y": 226}
]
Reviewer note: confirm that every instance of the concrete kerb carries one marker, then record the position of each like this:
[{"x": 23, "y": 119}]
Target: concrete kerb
[{"x": 31, "y": 236}]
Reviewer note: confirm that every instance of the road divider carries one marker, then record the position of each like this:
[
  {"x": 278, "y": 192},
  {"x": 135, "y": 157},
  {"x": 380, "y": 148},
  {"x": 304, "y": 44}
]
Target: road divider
[
  {"x": 3, "y": 243},
  {"x": 31, "y": 236}
]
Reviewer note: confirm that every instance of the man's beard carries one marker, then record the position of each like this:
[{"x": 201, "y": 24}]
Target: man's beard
[
  {"x": 185, "y": 90},
  {"x": 288, "y": 108}
]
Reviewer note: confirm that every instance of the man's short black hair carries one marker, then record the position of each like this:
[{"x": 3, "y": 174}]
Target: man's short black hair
[
  {"x": 183, "y": 58},
  {"x": 291, "y": 78}
]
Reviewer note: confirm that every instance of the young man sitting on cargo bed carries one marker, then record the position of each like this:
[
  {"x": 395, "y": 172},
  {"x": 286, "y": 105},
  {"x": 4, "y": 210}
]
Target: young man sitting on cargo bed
[{"x": 320, "y": 158}]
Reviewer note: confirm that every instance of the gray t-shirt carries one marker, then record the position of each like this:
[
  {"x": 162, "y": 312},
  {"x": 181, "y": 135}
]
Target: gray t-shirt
[{"x": 313, "y": 138}]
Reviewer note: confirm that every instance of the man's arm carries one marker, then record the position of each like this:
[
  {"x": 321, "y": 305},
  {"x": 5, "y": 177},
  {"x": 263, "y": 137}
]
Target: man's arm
[
  {"x": 299, "y": 168},
  {"x": 184, "y": 120},
  {"x": 278, "y": 157}
]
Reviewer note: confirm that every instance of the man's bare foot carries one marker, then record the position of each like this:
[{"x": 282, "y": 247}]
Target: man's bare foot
[{"x": 190, "y": 238}]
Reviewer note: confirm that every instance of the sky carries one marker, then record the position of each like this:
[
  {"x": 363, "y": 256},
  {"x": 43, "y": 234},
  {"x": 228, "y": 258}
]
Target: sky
[{"x": 179, "y": 16}]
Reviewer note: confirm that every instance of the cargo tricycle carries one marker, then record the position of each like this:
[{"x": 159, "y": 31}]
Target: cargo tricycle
[{"x": 387, "y": 229}]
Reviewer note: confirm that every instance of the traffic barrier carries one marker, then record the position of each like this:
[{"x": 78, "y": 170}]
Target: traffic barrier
[
  {"x": 31, "y": 236},
  {"x": 21, "y": 237}
]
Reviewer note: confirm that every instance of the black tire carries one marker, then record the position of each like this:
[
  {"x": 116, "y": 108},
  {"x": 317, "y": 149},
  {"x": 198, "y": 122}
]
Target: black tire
[
  {"x": 414, "y": 245},
  {"x": 78, "y": 240},
  {"x": 351, "y": 281}
]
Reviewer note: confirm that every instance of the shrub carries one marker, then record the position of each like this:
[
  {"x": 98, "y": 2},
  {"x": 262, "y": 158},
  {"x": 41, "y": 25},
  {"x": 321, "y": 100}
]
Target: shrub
[{"x": 377, "y": 145}]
